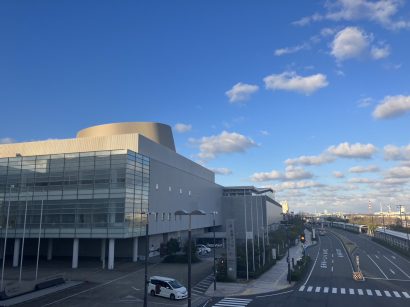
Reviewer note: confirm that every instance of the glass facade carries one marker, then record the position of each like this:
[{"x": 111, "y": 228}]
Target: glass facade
[{"x": 98, "y": 194}]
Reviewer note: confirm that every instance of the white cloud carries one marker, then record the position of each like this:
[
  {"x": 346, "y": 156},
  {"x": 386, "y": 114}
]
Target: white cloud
[
  {"x": 241, "y": 92},
  {"x": 378, "y": 53},
  {"x": 392, "y": 152},
  {"x": 290, "y": 185},
  {"x": 382, "y": 12},
  {"x": 350, "y": 42},
  {"x": 360, "y": 180},
  {"x": 265, "y": 133},
  {"x": 289, "y": 50},
  {"x": 296, "y": 173},
  {"x": 392, "y": 106},
  {"x": 358, "y": 151},
  {"x": 266, "y": 176},
  {"x": 364, "y": 169},
  {"x": 221, "y": 171},
  {"x": 181, "y": 128},
  {"x": 338, "y": 174},
  {"x": 226, "y": 142},
  {"x": 311, "y": 160},
  {"x": 290, "y": 81},
  {"x": 398, "y": 172},
  {"x": 364, "y": 102},
  {"x": 6, "y": 140},
  {"x": 291, "y": 173}
]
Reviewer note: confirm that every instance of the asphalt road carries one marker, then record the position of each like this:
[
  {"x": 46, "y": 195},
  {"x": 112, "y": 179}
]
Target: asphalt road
[{"x": 330, "y": 282}]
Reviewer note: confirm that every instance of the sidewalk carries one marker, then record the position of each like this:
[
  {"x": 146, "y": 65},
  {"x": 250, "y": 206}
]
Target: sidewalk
[{"x": 272, "y": 280}]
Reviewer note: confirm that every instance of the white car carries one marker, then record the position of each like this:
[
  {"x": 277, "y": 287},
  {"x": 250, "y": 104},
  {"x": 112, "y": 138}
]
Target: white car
[
  {"x": 203, "y": 249},
  {"x": 166, "y": 287}
]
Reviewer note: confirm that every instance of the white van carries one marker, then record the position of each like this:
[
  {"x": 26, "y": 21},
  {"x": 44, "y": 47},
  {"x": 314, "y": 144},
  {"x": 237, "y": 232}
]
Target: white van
[{"x": 166, "y": 287}]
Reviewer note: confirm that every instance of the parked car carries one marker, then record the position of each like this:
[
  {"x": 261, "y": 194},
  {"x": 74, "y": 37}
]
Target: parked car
[
  {"x": 202, "y": 249},
  {"x": 322, "y": 232},
  {"x": 167, "y": 287}
]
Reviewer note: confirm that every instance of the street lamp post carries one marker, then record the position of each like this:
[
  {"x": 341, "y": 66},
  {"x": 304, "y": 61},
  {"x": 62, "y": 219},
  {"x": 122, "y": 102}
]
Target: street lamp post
[
  {"x": 194, "y": 212},
  {"x": 213, "y": 214},
  {"x": 146, "y": 259},
  {"x": 5, "y": 240}
]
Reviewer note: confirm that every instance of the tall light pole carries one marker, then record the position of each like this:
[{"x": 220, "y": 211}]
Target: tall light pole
[
  {"x": 5, "y": 240},
  {"x": 194, "y": 212},
  {"x": 146, "y": 259},
  {"x": 213, "y": 214}
]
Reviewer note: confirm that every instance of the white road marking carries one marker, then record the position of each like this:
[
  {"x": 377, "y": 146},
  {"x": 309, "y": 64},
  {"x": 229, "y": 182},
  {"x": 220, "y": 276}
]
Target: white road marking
[
  {"x": 377, "y": 266},
  {"x": 302, "y": 288},
  {"x": 393, "y": 257},
  {"x": 332, "y": 268},
  {"x": 406, "y": 295},
  {"x": 309, "y": 289},
  {"x": 396, "y": 294},
  {"x": 326, "y": 289},
  {"x": 387, "y": 293},
  {"x": 136, "y": 289},
  {"x": 369, "y": 292},
  {"x": 377, "y": 256},
  {"x": 317, "y": 289},
  {"x": 343, "y": 290},
  {"x": 334, "y": 290},
  {"x": 360, "y": 291},
  {"x": 378, "y": 293},
  {"x": 351, "y": 291},
  {"x": 393, "y": 272},
  {"x": 397, "y": 267}
]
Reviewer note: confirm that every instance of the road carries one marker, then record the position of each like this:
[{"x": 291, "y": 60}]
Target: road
[{"x": 330, "y": 282}]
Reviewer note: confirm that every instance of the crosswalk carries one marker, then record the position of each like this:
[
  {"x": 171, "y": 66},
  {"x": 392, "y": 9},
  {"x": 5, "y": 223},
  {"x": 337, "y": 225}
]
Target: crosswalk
[
  {"x": 202, "y": 286},
  {"x": 233, "y": 302},
  {"x": 353, "y": 291}
]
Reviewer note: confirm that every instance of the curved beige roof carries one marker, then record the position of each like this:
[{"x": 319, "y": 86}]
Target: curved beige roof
[{"x": 157, "y": 132}]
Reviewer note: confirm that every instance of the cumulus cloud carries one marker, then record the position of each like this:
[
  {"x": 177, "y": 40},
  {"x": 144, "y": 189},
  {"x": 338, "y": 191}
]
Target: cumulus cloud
[
  {"x": 241, "y": 92},
  {"x": 311, "y": 160},
  {"x": 291, "y": 173},
  {"x": 378, "y": 53},
  {"x": 290, "y": 81},
  {"x": 398, "y": 172},
  {"x": 392, "y": 152},
  {"x": 382, "y": 12},
  {"x": 350, "y": 42},
  {"x": 181, "y": 128},
  {"x": 338, "y": 174},
  {"x": 266, "y": 176},
  {"x": 290, "y": 185},
  {"x": 297, "y": 173},
  {"x": 265, "y": 133},
  {"x": 6, "y": 140},
  {"x": 364, "y": 169},
  {"x": 360, "y": 180},
  {"x": 221, "y": 171},
  {"x": 392, "y": 106},
  {"x": 226, "y": 142},
  {"x": 358, "y": 151}
]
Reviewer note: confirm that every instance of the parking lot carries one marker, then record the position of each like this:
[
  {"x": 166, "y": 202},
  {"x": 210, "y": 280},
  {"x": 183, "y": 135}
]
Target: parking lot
[{"x": 120, "y": 287}]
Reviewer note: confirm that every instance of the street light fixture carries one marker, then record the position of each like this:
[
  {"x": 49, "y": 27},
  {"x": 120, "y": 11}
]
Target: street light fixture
[
  {"x": 194, "y": 212},
  {"x": 213, "y": 214}
]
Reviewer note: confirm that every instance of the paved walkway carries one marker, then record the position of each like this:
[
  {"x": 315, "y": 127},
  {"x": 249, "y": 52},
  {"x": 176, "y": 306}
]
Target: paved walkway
[{"x": 272, "y": 280}]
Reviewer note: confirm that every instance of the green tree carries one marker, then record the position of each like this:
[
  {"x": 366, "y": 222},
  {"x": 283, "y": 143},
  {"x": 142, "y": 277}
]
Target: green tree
[{"x": 173, "y": 246}]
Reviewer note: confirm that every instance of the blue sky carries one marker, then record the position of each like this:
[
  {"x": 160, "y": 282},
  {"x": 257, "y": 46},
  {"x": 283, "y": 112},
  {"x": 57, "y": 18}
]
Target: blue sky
[{"x": 311, "y": 98}]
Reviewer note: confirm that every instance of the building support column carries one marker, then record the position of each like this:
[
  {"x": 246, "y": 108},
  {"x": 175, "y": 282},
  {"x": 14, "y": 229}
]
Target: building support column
[
  {"x": 50, "y": 249},
  {"x": 135, "y": 250},
  {"x": 75, "y": 253},
  {"x": 111, "y": 246},
  {"x": 103, "y": 248},
  {"x": 1, "y": 248},
  {"x": 16, "y": 254}
]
